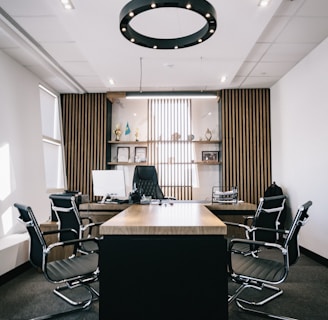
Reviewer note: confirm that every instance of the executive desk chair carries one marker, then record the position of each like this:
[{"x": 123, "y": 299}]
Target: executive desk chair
[
  {"x": 76, "y": 271},
  {"x": 145, "y": 180},
  {"x": 268, "y": 268},
  {"x": 68, "y": 217}
]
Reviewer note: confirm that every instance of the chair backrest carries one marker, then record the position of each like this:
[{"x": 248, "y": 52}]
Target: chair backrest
[
  {"x": 267, "y": 216},
  {"x": 146, "y": 181},
  {"x": 67, "y": 214},
  {"x": 271, "y": 191},
  {"x": 291, "y": 241},
  {"x": 37, "y": 242}
]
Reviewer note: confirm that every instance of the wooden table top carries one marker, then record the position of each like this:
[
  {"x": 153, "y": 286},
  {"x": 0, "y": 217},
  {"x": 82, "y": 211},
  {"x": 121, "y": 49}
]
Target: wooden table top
[
  {"x": 165, "y": 219},
  {"x": 94, "y": 206},
  {"x": 239, "y": 206}
]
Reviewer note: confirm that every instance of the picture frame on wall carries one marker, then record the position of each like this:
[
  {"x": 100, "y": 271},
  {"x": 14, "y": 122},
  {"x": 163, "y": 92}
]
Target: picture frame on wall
[
  {"x": 210, "y": 156},
  {"x": 140, "y": 154},
  {"x": 123, "y": 154}
]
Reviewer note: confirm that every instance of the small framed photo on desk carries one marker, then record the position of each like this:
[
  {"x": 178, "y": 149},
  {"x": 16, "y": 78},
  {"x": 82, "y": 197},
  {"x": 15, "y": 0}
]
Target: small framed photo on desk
[{"x": 123, "y": 154}]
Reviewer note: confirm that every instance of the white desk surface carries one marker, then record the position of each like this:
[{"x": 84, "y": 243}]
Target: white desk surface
[{"x": 165, "y": 219}]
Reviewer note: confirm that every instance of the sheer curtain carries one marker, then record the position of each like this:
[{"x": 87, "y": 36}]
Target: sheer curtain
[{"x": 169, "y": 126}]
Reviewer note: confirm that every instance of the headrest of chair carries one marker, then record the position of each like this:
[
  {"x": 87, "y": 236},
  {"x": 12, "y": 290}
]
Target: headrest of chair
[{"x": 146, "y": 172}]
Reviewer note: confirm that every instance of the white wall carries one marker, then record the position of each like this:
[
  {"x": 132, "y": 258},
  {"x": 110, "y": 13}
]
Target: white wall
[
  {"x": 299, "y": 142},
  {"x": 21, "y": 157}
]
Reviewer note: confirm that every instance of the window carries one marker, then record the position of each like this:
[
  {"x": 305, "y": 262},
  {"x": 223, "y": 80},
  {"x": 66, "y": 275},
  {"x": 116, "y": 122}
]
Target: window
[
  {"x": 171, "y": 150},
  {"x": 52, "y": 140}
]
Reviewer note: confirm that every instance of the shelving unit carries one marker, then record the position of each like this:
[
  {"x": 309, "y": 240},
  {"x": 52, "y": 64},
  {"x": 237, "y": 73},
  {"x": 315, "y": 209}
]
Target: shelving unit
[{"x": 147, "y": 143}]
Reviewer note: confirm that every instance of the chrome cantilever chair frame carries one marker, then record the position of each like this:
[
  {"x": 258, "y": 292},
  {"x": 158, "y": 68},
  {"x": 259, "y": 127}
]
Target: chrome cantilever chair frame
[
  {"x": 73, "y": 272},
  {"x": 256, "y": 272}
]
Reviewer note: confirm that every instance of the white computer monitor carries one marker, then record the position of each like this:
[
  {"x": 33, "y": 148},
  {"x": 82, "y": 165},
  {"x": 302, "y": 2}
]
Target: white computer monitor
[{"x": 109, "y": 183}]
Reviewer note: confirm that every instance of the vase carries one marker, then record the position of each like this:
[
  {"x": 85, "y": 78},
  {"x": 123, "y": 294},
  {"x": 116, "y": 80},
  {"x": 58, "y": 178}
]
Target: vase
[{"x": 208, "y": 134}]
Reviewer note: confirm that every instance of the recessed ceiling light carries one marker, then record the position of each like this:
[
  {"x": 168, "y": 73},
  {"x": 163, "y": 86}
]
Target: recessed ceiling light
[
  {"x": 111, "y": 81},
  {"x": 68, "y": 4},
  {"x": 263, "y": 3},
  {"x": 223, "y": 79}
]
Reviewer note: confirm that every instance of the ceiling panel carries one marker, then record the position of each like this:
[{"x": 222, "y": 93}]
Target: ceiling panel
[{"x": 84, "y": 47}]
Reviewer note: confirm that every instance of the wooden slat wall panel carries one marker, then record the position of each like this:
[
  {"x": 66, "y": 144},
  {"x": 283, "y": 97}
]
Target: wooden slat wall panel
[
  {"x": 84, "y": 128},
  {"x": 246, "y": 141}
]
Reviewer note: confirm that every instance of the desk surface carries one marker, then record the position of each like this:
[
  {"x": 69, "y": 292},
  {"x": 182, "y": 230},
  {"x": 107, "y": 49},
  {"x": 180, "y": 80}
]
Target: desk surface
[
  {"x": 175, "y": 219},
  {"x": 240, "y": 206}
]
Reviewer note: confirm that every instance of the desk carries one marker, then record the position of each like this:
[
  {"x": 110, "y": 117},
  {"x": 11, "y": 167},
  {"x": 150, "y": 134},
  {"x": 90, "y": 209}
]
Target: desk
[
  {"x": 233, "y": 213},
  {"x": 163, "y": 262},
  {"x": 101, "y": 212},
  {"x": 108, "y": 210},
  {"x": 226, "y": 212}
]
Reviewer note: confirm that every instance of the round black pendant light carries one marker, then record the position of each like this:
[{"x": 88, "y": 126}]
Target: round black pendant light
[{"x": 135, "y": 7}]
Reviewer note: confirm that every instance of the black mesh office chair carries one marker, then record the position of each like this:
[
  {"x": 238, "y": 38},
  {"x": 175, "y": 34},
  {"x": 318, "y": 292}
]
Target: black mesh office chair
[
  {"x": 68, "y": 217},
  {"x": 77, "y": 271},
  {"x": 268, "y": 268},
  {"x": 145, "y": 180}
]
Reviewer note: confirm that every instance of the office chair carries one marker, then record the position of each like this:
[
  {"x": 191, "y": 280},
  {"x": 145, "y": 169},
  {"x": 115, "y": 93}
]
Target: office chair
[
  {"x": 68, "y": 217},
  {"x": 267, "y": 215},
  {"x": 71, "y": 273},
  {"x": 268, "y": 268},
  {"x": 145, "y": 180}
]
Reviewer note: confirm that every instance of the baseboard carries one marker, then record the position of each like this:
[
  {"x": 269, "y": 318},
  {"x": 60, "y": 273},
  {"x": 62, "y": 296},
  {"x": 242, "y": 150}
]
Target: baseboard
[
  {"x": 14, "y": 273},
  {"x": 314, "y": 256}
]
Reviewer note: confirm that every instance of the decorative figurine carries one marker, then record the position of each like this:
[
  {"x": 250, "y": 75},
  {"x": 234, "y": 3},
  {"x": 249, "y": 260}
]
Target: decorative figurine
[
  {"x": 117, "y": 133},
  {"x": 137, "y": 134},
  {"x": 208, "y": 134}
]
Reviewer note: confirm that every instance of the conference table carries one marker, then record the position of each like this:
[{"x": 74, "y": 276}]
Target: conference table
[{"x": 163, "y": 262}]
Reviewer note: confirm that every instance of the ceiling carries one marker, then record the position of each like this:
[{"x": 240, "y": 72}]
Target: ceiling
[{"x": 80, "y": 50}]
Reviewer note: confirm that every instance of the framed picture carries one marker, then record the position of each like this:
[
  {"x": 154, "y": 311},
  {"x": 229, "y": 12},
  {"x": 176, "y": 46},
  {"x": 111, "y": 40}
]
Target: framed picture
[
  {"x": 140, "y": 154},
  {"x": 123, "y": 154},
  {"x": 210, "y": 155}
]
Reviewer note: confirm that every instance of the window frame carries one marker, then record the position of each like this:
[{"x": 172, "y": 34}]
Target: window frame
[{"x": 61, "y": 180}]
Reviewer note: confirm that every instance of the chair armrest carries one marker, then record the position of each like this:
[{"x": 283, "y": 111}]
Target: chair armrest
[
  {"x": 60, "y": 231},
  {"x": 236, "y": 224},
  {"x": 91, "y": 225},
  {"x": 247, "y": 218},
  {"x": 69, "y": 243},
  {"x": 231, "y": 251},
  {"x": 256, "y": 243}
]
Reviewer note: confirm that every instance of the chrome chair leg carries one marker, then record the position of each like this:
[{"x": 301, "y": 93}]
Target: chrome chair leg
[{"x": 261, "y": 313}]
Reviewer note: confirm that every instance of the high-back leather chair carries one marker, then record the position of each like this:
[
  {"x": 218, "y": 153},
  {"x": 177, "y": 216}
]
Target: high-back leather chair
[{"x": 145, "y": 180}]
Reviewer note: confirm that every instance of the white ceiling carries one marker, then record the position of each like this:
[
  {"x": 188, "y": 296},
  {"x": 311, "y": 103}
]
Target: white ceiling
[{"x": 80, "y": 50}]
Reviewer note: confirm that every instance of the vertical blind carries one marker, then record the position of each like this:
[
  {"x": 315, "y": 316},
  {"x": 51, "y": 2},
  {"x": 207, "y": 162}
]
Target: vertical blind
[
  {"x": 246, "y": 143},
  {"x": 169, "y": 125}
]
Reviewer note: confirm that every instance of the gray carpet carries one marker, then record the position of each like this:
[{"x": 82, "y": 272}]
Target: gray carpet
[{"x": 305, "y": 296}]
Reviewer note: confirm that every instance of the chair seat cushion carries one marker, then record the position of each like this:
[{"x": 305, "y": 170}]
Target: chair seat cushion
[
  {"x": 72, "y": 267},
  {"x": 257, "y": 268}
]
